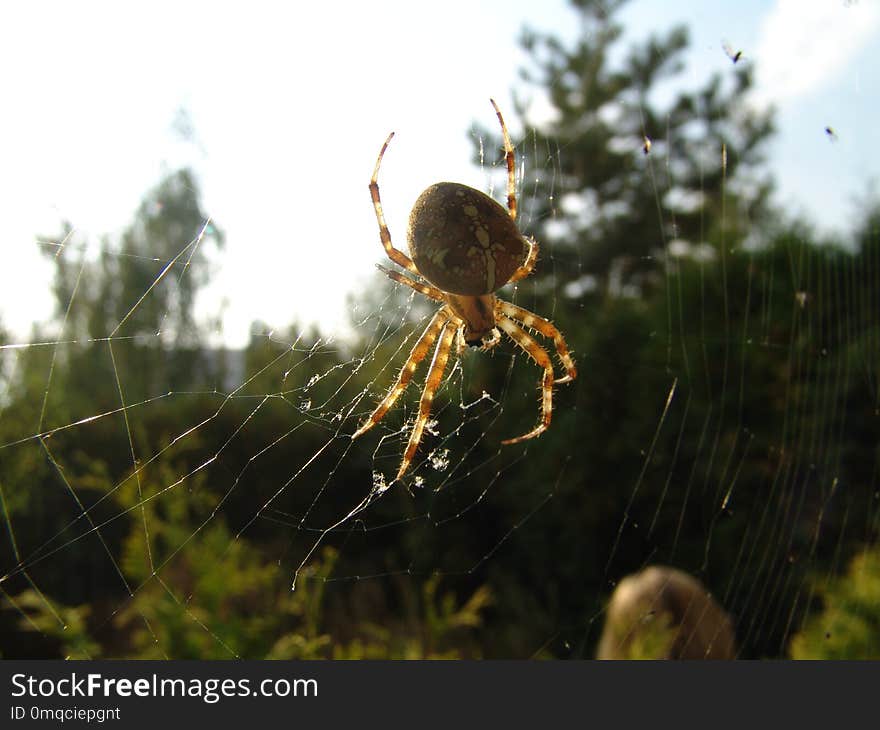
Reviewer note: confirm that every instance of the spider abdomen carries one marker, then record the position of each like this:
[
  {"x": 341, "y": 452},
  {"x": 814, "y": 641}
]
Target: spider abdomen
[{"x": 463, "y": 241}]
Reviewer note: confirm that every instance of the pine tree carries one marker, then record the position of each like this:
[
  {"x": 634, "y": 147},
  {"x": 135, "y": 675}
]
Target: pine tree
[
  {"x": 139, "y": 293},
  {"x": 618, "y": 172}
]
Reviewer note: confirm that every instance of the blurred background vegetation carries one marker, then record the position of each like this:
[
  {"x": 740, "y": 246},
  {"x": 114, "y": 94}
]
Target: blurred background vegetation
[{"x": 726, "y": 419}]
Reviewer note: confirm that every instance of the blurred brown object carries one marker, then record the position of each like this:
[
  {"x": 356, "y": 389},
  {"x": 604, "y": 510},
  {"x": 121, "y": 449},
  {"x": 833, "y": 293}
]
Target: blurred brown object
[{"x": 664, "y": 613}]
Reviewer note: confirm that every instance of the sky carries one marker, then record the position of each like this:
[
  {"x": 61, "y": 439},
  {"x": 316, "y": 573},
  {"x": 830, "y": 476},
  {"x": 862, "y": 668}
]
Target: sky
[{"x": 289, "y": 104}]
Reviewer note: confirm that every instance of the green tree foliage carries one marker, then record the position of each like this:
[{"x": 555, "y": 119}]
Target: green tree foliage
[
  {"x": 728, "y": 360},
  {"x": 603, "y": 206},
  {"x": 848, "y": 626}
]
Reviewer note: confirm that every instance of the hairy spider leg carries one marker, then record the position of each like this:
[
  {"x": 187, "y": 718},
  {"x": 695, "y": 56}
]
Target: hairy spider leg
[
  {"x": 416, "y": 355},
  {"x": 398, "y": 257},
  {"x": 432, "y": 292},
  {"x": 546, "y": 328},
  {"x": 542, "y": 359},
  {"x": 511, "y": 163},
  {"x": 432, "y": 382},
  {"x": 523, "y": 271}
]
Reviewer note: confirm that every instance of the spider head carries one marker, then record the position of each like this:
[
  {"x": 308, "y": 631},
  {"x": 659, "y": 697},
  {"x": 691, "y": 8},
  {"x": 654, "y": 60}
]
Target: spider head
[{"x": 478, "y": 315}]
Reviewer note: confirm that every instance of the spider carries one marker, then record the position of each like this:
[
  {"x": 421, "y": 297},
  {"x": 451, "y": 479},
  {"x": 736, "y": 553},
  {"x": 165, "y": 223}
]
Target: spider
[{"x": 465, "y": 246}]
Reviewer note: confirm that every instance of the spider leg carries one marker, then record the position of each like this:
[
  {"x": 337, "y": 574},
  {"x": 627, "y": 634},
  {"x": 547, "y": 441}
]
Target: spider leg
[
  {"x": 432, "y": 292},
  {"x": 416, "y": 355},
  {"x": 432, "y": 382},
  {"x": 523, "y": 271},
  {"x": 398, "y": 257},
  {"x": 511, "y": 163},
  {"x": 542, "y": 359},
  {"x": 546, "y": 328}
]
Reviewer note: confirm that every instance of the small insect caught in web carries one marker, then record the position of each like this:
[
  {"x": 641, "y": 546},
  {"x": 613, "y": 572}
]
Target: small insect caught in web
[{"x": 831, "y": 134}]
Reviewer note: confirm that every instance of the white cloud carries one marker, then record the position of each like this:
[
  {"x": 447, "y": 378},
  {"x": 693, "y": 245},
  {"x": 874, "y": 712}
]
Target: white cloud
[{"x": 805, "y": 44}]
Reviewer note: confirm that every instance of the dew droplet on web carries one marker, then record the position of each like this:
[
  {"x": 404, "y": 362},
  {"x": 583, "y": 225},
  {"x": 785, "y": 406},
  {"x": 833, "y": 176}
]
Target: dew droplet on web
[
  {"x": 379, "y": 484},
  {"x": 439, "y": 459}
]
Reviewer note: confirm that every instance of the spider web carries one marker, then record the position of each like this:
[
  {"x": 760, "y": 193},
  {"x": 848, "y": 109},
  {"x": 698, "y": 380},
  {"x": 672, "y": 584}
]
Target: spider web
[
  {"x": 243, "y": 430},
  {"x": 145, "y": 517}
]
